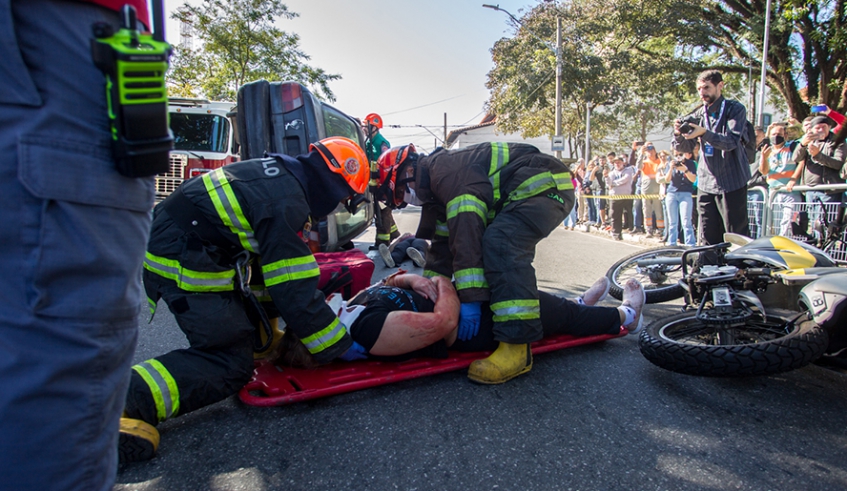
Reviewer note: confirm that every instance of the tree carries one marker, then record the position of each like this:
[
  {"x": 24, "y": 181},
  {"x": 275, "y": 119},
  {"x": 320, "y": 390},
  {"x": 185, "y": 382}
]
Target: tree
[
  {"x": 638, "y": 92},
  {"x": 807, "y": 41},
  {"x": 240, "y": 44}
]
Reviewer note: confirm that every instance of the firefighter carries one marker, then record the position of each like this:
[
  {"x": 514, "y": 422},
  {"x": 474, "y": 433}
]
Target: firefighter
[
  {"x": 485, "y": 207},
  {"x": 375, "y": 145},
  {"x": 202, "y": 239}
]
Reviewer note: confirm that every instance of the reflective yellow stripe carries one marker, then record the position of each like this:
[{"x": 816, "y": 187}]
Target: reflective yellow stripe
[
  {"x": 385, "y": 237},
  {"x": 152, "y": 305},
  {"x": 470, "y": 278},
  {"x": 428, "y": 273},
  {"x": 261, "y": 293},
  {"x": 296, "y": 268},
  {"x": 563, "y": 181},
  {"x": 162, "y": 386},
  {"x": 187, "y": 279},
  {"x": 466, "y": 203},
  {"x": 516, "y": 310},
  {"x": 441, "y": 229},
  {"x": 229, "y": 211},
  {"x": 325, "y": 338},
  {"x": 499, "y": 158}
]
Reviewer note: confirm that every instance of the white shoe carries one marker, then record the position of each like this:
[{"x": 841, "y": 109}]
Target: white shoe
[
  {"x": 416, "y": 257},
  {"x": 597, "y": 292},
  {"x": 634, "y": 297},
  {"x": 385, "y": 254}
]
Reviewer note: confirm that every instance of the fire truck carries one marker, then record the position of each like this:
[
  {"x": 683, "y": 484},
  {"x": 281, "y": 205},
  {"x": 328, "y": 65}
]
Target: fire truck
[{"x": 204, "y": 139}]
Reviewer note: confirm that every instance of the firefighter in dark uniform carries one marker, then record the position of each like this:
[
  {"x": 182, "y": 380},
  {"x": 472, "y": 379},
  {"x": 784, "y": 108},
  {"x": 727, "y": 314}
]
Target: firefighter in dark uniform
[
  {"x": 375, "y": 145},
  {"x": 202, "y": 240},
  {"x": 485, "y": 207}
]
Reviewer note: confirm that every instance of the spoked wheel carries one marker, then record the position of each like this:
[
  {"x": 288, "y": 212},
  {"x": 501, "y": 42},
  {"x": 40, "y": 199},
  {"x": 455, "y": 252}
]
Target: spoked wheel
[
  {"x": 784, "y": 341},
  {"x": 660, "y": 281}
]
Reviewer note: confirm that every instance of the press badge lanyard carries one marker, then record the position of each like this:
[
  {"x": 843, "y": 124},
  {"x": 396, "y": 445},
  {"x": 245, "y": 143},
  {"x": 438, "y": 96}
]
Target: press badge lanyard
[
  {"x": 708, "y": 150},
  {"x": 709, "y": 118}
]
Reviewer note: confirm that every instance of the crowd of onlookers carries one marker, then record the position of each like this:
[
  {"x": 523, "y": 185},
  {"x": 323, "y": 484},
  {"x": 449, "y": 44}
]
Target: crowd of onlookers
[{"x": 654, "y": 192}]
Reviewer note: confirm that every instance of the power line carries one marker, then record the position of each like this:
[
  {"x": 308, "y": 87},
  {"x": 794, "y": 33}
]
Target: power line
[{"x": 425, "y": 105}]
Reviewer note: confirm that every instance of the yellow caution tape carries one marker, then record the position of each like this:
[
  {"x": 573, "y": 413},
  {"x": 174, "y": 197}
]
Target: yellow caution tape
[{"x": 625, "y": 196}]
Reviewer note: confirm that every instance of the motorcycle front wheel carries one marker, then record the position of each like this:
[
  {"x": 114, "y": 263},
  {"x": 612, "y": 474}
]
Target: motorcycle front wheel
[
  {"x": 661, "y": 282},
  {"x": 785, "y": 341}
]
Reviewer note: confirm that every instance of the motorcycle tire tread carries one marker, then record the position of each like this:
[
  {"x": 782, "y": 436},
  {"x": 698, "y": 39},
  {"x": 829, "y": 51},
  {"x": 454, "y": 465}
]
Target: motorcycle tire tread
[{"x": 805, "y": 344}]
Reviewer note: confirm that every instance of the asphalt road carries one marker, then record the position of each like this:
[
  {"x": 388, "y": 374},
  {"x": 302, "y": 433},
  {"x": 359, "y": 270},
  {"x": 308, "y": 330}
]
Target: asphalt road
[{"x": 598, "y": 417}]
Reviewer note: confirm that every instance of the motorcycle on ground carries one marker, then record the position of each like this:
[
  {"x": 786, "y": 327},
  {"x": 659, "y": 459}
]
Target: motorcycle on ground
[{"x": 741, "y": 314}]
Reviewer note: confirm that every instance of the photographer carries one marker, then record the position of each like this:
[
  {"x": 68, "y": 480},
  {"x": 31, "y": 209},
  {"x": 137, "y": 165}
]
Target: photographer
[
  {"x": 723, "y": 169},
  {"x": 823, "y": 161}
]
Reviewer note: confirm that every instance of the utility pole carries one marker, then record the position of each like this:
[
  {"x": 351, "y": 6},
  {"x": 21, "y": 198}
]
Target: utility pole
[
  {"x": 587, "y": 130},
  {"x": 761, "y": 109},
  {"x": 559, "y": 83}
]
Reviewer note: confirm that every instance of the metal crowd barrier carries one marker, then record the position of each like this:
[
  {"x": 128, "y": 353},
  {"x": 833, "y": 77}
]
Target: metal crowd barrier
[{"x": 766, "y": 207}]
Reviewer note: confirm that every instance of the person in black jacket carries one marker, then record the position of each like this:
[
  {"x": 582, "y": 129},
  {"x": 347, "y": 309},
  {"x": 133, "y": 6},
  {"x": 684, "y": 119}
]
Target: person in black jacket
[
  {"x": 723, "y": 169},
  {"x": 204, "y": 237}
]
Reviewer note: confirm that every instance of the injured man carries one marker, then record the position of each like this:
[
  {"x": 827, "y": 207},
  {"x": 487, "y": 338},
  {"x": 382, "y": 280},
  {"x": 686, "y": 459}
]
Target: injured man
[{"x": 407, "y": 316}]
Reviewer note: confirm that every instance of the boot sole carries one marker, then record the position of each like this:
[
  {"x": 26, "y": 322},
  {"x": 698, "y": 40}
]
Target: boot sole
[
  {"x": 138, "y": 441},
  {"x": 498, "y": 381}
]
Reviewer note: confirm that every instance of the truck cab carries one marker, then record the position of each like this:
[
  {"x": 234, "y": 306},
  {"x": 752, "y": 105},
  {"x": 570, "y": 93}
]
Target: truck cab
[
  {"x": 285, "y": 117},
  {"x": 204, "y": 139}
]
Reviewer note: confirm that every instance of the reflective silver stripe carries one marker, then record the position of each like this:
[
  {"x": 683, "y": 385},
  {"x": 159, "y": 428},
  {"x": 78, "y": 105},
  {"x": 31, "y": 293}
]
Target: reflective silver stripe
[{"x": 163, "y": 389}]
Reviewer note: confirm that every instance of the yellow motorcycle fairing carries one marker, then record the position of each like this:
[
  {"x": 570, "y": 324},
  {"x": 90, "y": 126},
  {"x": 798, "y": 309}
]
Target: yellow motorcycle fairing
[{"x": 783, "y": 253}]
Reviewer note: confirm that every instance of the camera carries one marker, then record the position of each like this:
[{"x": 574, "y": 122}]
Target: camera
[{"x": 685, "y": 128}]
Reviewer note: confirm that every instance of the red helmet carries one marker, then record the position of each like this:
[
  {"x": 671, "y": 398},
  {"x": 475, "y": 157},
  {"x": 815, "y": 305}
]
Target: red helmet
[
  {"x": 345, "y": 158},
  {"x": 390, "y": 163},
  {"x": 374, "y": 119}
]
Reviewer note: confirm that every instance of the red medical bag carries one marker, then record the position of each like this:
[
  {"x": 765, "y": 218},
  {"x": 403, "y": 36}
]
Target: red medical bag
[{"x": 346, "y": 272}]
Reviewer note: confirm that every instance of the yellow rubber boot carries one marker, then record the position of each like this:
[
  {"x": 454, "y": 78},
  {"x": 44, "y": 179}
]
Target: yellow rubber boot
[
  {"x": 138, "y": 440},
  {"x": 507, "y": 362}
]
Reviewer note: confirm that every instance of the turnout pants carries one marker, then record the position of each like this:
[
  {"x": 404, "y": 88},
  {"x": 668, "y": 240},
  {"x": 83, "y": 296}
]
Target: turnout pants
[
  {"x": 508, "y": 251},
  {"x": 218, "y": 362},
  {"x": 386, "y": 228}
]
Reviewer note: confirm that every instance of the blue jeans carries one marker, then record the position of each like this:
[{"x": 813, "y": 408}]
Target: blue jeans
[
  {"x": 72, "y": 238},
  {"x": 570, "y": 220},
  {"x": 592, "y": 209},
  {"x": 679, "y": 206}
]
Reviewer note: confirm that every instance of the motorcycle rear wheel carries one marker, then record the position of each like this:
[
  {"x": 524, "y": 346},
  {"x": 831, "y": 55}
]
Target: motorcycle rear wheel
[
  {"x": 785, "y": 341},
  {"x": 627, "y": 268}
]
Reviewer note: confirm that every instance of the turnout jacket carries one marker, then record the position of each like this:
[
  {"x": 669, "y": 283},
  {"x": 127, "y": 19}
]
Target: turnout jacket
[
  {"x": 464, "y": 190},
  {"x": 256, "y": 206}
]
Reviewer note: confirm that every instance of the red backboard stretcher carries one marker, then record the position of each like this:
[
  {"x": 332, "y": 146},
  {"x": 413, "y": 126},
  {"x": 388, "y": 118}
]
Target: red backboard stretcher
[{"x": 273, "y": 385}]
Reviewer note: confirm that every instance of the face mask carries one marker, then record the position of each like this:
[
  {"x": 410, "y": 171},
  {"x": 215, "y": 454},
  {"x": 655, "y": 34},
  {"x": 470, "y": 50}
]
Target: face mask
[
  {"x": 778, "y": 140},
  {"x": 410, "y": 197}
]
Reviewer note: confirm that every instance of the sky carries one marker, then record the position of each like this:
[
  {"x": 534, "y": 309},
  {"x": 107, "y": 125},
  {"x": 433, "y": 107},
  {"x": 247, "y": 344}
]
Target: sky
[{"x": 409, "y": 61}]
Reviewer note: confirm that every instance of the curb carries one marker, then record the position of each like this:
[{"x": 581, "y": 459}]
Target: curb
[{"x": 640, "y": 239}]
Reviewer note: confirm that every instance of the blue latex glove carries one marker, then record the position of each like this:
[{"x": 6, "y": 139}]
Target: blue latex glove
[
  {"x": 469, "y": 320},
  {"x": 356, "y": 352}
]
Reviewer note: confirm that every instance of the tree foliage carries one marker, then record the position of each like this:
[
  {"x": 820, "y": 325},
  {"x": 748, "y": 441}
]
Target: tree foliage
[
  {"x": 240, "y": 43},
  {"x": 642, "y": 56}
]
